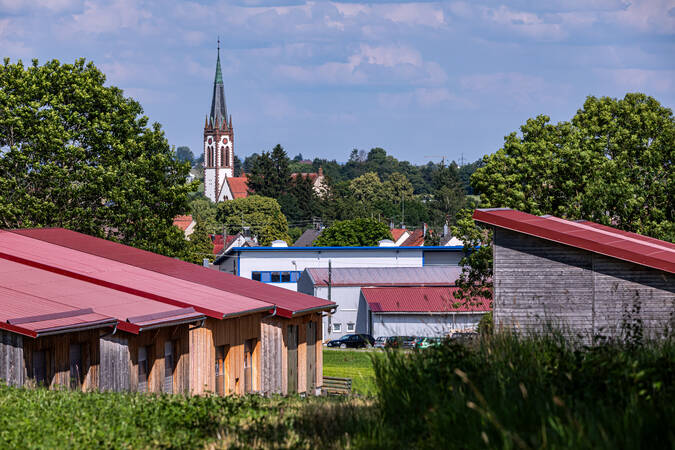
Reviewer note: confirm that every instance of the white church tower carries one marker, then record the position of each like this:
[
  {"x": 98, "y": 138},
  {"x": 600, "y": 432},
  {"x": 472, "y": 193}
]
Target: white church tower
[{"x": 218, "y": 142}]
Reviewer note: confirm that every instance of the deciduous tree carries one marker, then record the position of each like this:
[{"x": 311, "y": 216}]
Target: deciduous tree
[
  {"x": 261, "y": 214},
  {"x": 353, "y": 233}
]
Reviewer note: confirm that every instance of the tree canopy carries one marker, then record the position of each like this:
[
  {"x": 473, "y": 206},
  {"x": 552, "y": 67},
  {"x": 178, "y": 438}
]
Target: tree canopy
[
  {"x": 184, "y": 154},
  {"x": 77, "y": 154},
  {"x": 262, "y": 215},
  {"x": 611, "y": 164},
  {"x": 353, "y": 233}
]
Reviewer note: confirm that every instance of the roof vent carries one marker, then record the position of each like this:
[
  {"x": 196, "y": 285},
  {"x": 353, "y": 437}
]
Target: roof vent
[
  {"x": 279, "y": 243},
  {"x": 386, "y": 243}
]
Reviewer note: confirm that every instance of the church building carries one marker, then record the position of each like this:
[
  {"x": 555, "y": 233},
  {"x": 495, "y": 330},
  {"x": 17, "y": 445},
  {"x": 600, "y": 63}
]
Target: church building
[{"x": 218, "y": 143}]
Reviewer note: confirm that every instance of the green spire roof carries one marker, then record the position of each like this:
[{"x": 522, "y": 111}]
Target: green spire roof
[
  {"x": 218, "y": 107},
  {"x": 219, "y": 73}
]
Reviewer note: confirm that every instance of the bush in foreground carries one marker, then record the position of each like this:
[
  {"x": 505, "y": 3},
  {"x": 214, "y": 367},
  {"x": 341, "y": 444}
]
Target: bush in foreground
[{"x": 535, "y": 392}]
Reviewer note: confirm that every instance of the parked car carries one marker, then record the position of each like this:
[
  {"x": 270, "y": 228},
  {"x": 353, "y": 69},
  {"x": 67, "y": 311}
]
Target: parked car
[
  {"x": 352, "y": 341},
  {"x": 380, "y": 342},
  {"x": 394, "y": 342},
  {"x": 408, "y": 341},
  {"x": 427, "y": 342},
  {"x": 464, "y": 335}
]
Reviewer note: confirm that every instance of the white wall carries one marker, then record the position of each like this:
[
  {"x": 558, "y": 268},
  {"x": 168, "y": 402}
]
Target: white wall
[
  {"x": 275, "y": 260},
  {"x": 422, "y": 324},
  {"x": 347, "y": 300}
]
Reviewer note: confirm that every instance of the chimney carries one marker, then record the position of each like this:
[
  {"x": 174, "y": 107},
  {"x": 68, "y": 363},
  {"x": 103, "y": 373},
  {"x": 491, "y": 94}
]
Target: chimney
[{"x": 320, "y": 171}]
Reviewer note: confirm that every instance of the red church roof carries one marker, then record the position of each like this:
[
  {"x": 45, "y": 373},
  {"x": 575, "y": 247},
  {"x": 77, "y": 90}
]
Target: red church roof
[
  {"x": 288, "y": 303},
  {"x": 608, "y": 241},
  {"x": 238, "y": 186},
  {"x": 420, "y": 299}
]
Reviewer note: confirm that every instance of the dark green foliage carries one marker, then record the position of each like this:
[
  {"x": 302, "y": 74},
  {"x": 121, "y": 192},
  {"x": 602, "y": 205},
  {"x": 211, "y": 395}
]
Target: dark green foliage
[
  {"x": 353, "y": 233},
  {"x": 237, "y": 166},
  {"x": 270, "y": 175},
  {"x": 534, "y": 392},
  {"x": 486, "y": 325},
  {"x": 78, "y": 154},
  {"x": 200, "y": 245},
  {"x": 262, "y": 215},
  {"x": 184, "y": 154}
]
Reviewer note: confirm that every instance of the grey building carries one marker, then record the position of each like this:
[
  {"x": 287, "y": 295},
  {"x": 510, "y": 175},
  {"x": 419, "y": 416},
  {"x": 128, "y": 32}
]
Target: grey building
[{"x": 588, "y": 279}]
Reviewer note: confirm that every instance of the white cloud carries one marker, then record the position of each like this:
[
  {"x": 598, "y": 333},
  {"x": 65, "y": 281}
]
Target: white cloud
[
  {"x": 514, "y": 87},
  {"x": 647, "y": 16},
  {"x": 648, "y": 81},
  {"x": 109, "y": 17}
]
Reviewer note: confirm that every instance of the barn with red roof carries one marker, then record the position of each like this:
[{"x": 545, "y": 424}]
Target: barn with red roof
[
  {"x": 89, "y": 313},
  {"x": 589, "y": 279}
]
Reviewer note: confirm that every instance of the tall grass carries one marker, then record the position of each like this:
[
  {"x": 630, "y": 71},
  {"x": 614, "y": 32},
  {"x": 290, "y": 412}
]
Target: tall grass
[{"x": 533, "y": 392}]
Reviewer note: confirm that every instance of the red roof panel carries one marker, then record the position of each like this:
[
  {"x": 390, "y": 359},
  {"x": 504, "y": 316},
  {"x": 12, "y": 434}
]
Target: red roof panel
[
  {"x": 124, "y": 277},
  {"x": 632, "y": 247},
  {"x": 288, "y": 302},
  {"x": 238, "y": 186},
  {"x": 428, "y": 299}
]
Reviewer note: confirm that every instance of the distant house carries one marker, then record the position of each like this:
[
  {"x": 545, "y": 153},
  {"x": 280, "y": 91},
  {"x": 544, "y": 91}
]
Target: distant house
[
  {"x": 589, "y": 279},
  {"x": 399, "y": 235},
  {"x": 318, "y": 181},
  {"x": 307, "y": 238},
  {"x": 281, "y": 265},
  {"x": 86, "y": 313},
  {"x": 390, "y": 301},
  {"x": 186, "y": 225},
  {"x": 237, "y": 187}
]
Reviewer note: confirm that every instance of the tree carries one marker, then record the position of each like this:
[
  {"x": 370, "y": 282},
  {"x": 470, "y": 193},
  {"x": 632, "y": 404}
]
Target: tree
[
  {"x": 475, "y": 281},
  {"x": 448, "y": 194},
  {"x": 353, "y": 233},
  {"x": 237, "y": 166},
  {"x": 611, "y": 164},
  {"x": 261, "y": 214},
  {"x": 80, "y": 155},
  {"x": 270, "y": 175},
  {"x": 367, "y": 187},
  {"x": 184, "y": 154},
  {"x": 204, "y": 210},
  {"x": 397, "y": 188},
  {"x": 200, "y": 245}
]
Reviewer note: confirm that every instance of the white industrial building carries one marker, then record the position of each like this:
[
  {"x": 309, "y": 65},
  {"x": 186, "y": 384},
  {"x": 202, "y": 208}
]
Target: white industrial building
[
  {"x": 391, "y": 301},
  {"x": 281, "y": 265}
]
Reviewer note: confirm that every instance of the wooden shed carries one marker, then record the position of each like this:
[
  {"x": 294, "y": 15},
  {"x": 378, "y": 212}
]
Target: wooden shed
[
  {"x": 591, "y": 280},
  {"x": 164, "y": 328}
]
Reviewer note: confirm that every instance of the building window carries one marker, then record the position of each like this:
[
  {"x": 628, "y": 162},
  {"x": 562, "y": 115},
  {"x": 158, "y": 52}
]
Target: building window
[
  {"x": 286, "y": 276},
  {"x": 350, "y": 327},
  {"x": 337, "y": 328}
]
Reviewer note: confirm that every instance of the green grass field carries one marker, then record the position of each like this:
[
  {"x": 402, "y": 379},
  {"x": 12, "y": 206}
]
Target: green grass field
[{"x": 353, "y": 364}]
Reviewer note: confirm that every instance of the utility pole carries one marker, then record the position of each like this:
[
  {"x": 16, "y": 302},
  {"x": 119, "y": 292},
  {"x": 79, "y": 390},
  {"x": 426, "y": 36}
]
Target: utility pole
[
  {"x": 402, "y": 209},
  {"x": 330, "y": 282}
]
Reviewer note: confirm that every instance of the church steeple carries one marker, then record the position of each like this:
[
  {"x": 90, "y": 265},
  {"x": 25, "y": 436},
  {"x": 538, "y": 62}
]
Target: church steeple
[{"x": 218, "y": 114}]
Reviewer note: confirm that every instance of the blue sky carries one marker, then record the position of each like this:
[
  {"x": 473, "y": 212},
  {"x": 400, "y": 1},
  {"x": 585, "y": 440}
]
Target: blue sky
[{"x": 420, "y": 79}]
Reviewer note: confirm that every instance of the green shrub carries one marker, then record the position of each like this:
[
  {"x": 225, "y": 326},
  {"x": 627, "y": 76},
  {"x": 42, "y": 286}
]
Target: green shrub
[{"x": 486, "y": 325}]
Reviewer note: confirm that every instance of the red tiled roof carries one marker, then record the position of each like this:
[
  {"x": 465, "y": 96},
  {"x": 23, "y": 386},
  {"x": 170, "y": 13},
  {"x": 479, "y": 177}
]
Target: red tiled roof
[
  {"x": 219, "y": 245},
  {"x": 593, "y": 237},
  {"x": 238, "y": 186},
  {"x": 182, "y": 222},
  {"x": 416, "y": 239},
  {"x": 420, "y": 299},
  {"x": 288, "y": 302},
  {"x": 396, "y": 233},
  {"x": 312, "y": 176}
]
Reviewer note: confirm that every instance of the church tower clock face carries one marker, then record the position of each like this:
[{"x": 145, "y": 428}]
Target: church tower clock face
[{"x": 218, "y": 142}]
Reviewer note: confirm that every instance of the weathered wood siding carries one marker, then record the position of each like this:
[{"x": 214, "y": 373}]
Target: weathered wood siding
[
  {"x": 271, "y": 353},
  {"x": 538, "y": 283},
  {"x": 115, "y": 370},
  {"x": 233, "y": 334},
  {"x": 57, "y": 358},
  {"x": 12, "y": 366}
]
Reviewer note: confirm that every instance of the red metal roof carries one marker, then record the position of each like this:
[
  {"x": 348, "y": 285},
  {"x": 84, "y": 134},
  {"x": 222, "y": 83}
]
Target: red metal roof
[
  {"x": 288, "y": 302},
  {"x": 238, "y": 186},
  {"x": 127, "y": 278},
  {"x": 27, "y": 291},
  {"x": 386, "y": 276},
  {"x": 428, "y": 299},
  {"x": 608, "y": 241}
]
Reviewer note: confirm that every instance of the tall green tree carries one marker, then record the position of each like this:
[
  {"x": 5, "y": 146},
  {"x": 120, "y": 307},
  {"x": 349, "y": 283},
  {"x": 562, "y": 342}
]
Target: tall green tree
[
  {"x": 270, "y": 175},
  {"x": 80, "y": 155},
  {"x": 353, "y": 233},
  {"x": 448, "y": 195},
  {"x": 184, "y": 154},
  {"x": 262, "y": 215},
  {"x": 200, "y": 245},
  {"x": 367, "y": 187},
  {"x": 611, "y": 164}
]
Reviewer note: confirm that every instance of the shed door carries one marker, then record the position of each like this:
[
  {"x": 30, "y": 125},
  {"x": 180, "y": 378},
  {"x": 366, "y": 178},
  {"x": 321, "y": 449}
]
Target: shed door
[
  {"x": 292, "y": 359},
  {"x": 249, "y": 345},
  {"x": 311, "y": 358},
  {"x": 221, "y": 369},
  {"x": 142, "y": 369},
  {"x": 168, "y": 366},
  {"x": 75, "y": 353},
  {"x": 39, "y": 367}
]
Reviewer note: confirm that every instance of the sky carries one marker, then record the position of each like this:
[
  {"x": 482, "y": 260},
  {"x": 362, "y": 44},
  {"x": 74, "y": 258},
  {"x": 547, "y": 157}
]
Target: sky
[{"x": 423, "y": 80}]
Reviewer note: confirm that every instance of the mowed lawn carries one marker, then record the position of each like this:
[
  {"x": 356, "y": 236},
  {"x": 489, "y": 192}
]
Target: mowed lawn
[{"x": 353, "y": 364}]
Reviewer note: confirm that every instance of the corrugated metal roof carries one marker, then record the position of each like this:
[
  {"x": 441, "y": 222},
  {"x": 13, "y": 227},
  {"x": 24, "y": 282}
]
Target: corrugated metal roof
[
  {"x": 288, "y": 302},
  {"x": 386, "y": 276},
  {"x": 125, "y": 277},
  {"x": 632, "y": 247},
  {"x": 428, "y": 299},
  {"x": 29, "y": 291}
]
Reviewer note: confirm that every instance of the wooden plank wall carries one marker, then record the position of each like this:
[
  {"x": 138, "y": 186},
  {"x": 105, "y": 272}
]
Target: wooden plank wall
[
  {"x": 154, "y": 341},
  {"x": 57, "y": 352},
  {"x": 538, "y": 282},
  {"x": 115, "y": 369},
  {"x": 232, "y": 333},
  {"x": 271, "y": 356},
  {"x": 12, "y": 366}
]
